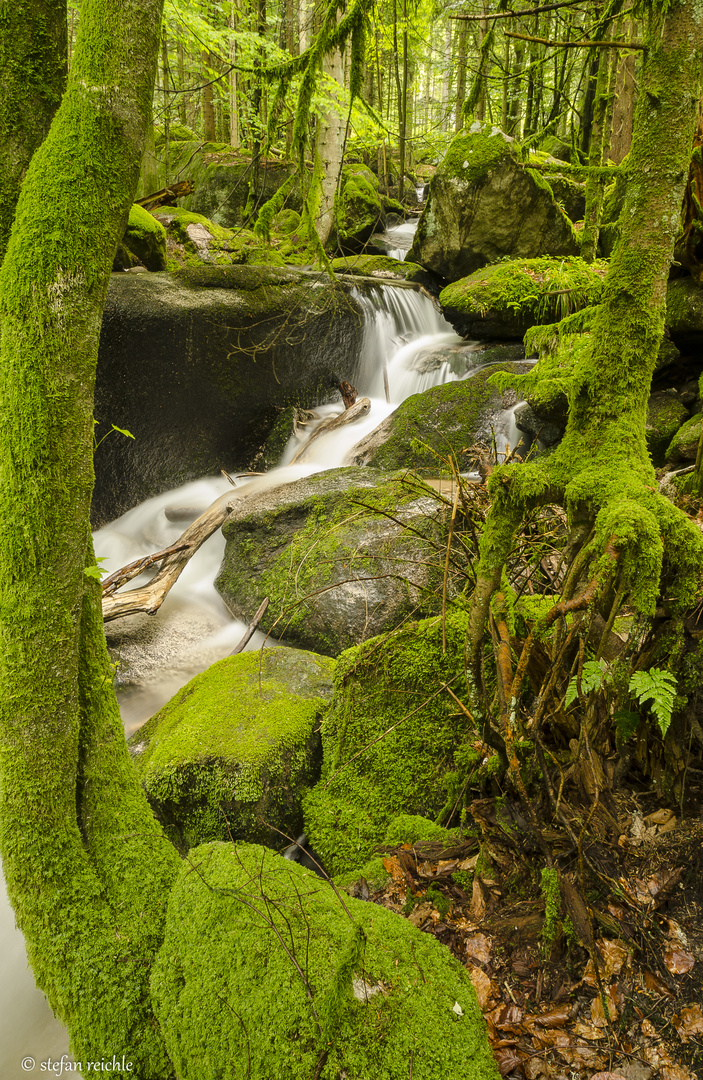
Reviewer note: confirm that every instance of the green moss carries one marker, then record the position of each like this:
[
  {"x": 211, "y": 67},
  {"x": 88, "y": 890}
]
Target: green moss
[
  {"x": 411, "y": 828},
  {"x": 469, "y": 157},
  {"x": 263, "y": 973},
  {"x": 520, "y": 293},
  {"x": 389, "y": 740},
  {"x": 665, "y": 416},
  {"x": 145, "y": 237},
  {"x": 236, "y": 747},
  {"x": 373, "y": 872},
  {"x": 358, "y": 208},
  {"x": 684, "y": 444},
  {"x": 331, "y": 531}
]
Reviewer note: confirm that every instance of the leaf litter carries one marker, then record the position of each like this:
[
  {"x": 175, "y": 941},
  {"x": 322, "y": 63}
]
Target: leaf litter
[{"x": 620, "y": 1003}]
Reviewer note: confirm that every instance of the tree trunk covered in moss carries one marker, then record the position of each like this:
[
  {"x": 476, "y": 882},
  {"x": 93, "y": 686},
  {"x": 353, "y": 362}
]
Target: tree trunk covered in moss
[
  {"x": 33, "y": 63},
  {"x": 87, "y": 868},
  {"x": 601, "y": 472}
]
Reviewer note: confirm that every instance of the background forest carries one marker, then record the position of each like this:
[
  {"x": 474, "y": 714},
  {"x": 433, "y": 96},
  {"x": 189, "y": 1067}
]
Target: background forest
[{"x": 513, "y": 760}]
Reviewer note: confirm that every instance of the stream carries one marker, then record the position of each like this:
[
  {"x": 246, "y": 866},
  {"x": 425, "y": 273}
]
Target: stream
[{"x": 406, "y": 337}]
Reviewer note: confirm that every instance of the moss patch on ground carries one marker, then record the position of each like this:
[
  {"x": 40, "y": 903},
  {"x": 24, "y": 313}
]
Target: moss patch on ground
[
  {"x": 236, "y": 747},
  {"x": 394, "y": 742},
  {"x": 263, "y": 972}
]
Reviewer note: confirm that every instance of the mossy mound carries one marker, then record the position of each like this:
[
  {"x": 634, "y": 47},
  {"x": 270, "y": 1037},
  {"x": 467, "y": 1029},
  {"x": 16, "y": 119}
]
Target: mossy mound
[
  {"x": 393, "y": 741},
  {"x": 263, "y": 972},
  {"x": 342, "y": 556},
  {"x": 234, "y": 751},
  {"x": 143, "y": 243},
  {"x": 358, "y": 208},
  {"x": 426, "y": 428},
  {"x": 383, "y": 266},
  {"x": 193, "y": 238},
  {"x": 665, "y": 415},
  {"x": 411, "y": 828},
  {"x": 684, "y": 445},
  {"x": 484, "y": 204},
  {"x": 506, "y": 299},
  {"x": 684, "y": 312}
]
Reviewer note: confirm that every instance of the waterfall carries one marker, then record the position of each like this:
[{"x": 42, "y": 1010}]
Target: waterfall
[{"x": 400, "y": 239}]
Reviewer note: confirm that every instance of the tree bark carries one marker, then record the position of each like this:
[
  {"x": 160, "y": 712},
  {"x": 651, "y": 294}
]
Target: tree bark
[
  {"x": 33, "y": 68},
  {"x": 87, "y": 867}
]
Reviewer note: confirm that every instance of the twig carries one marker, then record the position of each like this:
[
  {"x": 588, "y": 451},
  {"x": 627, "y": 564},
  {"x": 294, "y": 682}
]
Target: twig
[
  {"x": 251, "y": 628},
  {"x": 577, "y": 44},
  {"x": 518, "y": 14},
  {"x": 120, "y": 577}
]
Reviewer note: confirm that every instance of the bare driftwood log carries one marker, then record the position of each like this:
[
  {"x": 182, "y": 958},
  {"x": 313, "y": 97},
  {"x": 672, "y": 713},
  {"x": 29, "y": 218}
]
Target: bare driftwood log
[
  {"x": 150, "y": 597},
  {"x": 348, "y": 393},
  {"x": 361, "y": 408}
]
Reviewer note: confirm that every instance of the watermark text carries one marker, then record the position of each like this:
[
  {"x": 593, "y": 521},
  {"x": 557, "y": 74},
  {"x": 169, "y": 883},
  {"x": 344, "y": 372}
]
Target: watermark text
[{"x": 64, "y": 1064}]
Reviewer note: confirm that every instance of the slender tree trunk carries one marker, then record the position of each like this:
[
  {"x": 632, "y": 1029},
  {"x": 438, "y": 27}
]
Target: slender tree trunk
[
  {"x": 595, "y": 185},
  {"x": 328, "y": 149},
  {"x": 33, "y": 66},
  {"x": 462, "y": 44},
  {"x": 165, "y": 77},
  {"x": 208, "y": 106},
  {"x": 624, "y": 111},
  {"x": 87, "y": 867},
  {"x": 182, "y": 85}
]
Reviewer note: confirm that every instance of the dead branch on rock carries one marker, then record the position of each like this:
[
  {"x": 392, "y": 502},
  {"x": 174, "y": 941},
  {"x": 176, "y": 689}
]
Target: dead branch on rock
[
  {"x": 149, "y": 598},
  {"x": 249, "y": 633}
]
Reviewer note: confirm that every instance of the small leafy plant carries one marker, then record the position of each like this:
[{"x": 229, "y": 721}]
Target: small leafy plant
[{"x": 658, "y": 687}]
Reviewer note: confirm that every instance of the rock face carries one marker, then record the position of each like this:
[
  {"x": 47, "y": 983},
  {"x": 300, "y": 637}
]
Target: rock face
[
  {"x": 358, "y": 208},
  {"x": 506, "y": 299},
  {"x": 197, "y": 365},
  {"x": 342, "y": 556},
  {"x": 237, "y": 747},
  {"x": 484, "y": 204},
  {"x": 144, "y": 242},
  {"x": 310, "y": 980},
  {"x": 665, "y": 415},
  {"x": 684, "y": 312},
  {"x": 445, "y": 419},
  {"x": 684, "y": 444},
  {"x": 391, "y": 740}
]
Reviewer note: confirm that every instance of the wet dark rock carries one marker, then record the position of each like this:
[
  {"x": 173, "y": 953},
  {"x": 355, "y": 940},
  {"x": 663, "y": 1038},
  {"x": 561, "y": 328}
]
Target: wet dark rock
[{"x": 198, "y": 364}]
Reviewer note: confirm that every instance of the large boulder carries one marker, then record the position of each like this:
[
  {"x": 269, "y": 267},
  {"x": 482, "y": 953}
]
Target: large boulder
[
  {"x": 144, "y": 242},
  {"x": 485, "y": 204},
  {"x": 665, "y": 415},
  {"x": 342, "y": 556},
  {"x": 198, "y": 363},
  {"x": 447, "y": 419},
  {"x": 192, "y": 238},
  {"x": 358, "y": 208},
  {"x": 506, "y": 299},
  {"x": 684, "y": 313},
  {"x": 233, "y": 753},
  {"x": 264, "y": 972},
  {"x": 393, "y": 742}
]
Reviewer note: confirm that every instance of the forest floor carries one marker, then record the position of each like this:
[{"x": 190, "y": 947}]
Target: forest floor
[{"x": 617, "y": 993}]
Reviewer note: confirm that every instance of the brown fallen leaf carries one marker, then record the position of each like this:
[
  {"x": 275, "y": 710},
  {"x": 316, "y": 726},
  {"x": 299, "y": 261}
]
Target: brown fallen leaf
[
  {"x": 656, "y": 985},
  {"x": 478, "y": 948},
  {"x": 507, "y": 1061},
  {"x": 507, "y": 1017},
  {"x": 485, "y": 988},
  {"x": 689, "y": 1022},
  {"x": 420, "y": 914},
  {"x": 648, "y": 1029},
  {"x": 554, "y": 1017},
  {"x": 676, "y": 1072},
  {"x": 598, "y": 1008},
  {"x": 614, "y": 953},
  {"x": 393, "y": 867},
  {"x": 588, "y": 1031},
  {"x": 607, "y": 1076},
  {"x": 675, "y": 932},
  {"x": 659, "y": 817},
  {"x": 477, "y": 907},
  {"x": 677, "y": 960},
  {"x": 469, "y": 864}
]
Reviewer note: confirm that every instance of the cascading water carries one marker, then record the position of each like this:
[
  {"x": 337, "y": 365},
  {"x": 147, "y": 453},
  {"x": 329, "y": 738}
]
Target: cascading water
[
  {"x": 406, "y": 337},
  {"x": 400, "y": 239}
]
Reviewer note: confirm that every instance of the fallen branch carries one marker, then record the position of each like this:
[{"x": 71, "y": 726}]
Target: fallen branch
[
  {"x": 149, "y": 598},
  {"x": 249, "y": 633}
]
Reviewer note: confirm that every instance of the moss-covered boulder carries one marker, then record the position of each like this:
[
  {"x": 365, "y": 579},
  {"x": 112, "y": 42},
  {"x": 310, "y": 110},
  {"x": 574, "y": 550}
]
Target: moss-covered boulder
[
  {"x": 394, "y": 741},
  {"x": 265, "y": 973},
  {"x": 684, "y": 312},
  {"x": 342, "y": 556},
  {"x": 383, "y": 266},
  {"x": 144, "y": 242},
  {"x": 665, "y": 415},
  {"x": 358, "y": 209},
  {"x": 506, "y": 299},
  {"x": 197, "y": 364},
  {"x": 193, "y": 238},
  {"x": 236, "y": 749},
  {"x": 684, "y": 445},
  {"x": 426, "y": 428},
  {"x": 484, "y": 204}
]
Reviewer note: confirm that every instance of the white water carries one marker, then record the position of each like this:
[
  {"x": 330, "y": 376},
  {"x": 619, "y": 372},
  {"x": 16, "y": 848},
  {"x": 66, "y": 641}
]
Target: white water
[
  {"x": 403, "y": 333},
  {"x": 400, "y": 238}
]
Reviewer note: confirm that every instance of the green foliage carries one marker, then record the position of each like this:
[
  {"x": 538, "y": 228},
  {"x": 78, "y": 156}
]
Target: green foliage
[
  {"x": 657, "y": 687},
  {"x": 591, "y": 679}
]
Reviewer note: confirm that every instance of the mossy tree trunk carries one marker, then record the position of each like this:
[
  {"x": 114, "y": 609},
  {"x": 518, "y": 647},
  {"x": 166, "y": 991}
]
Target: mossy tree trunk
[
  {"x": 601, "y": 472},
  {"x": 33, "y": 64},
  {"x": 87, "y": 868}
]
